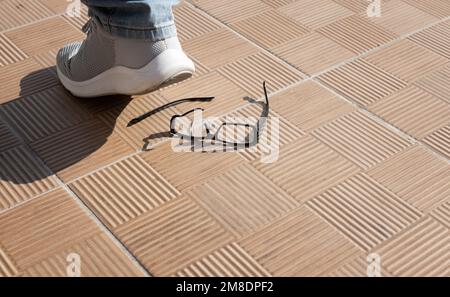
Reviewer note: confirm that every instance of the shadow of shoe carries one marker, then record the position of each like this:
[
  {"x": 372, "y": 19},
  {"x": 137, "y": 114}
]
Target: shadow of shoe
[{"x": 61, "y": 135}]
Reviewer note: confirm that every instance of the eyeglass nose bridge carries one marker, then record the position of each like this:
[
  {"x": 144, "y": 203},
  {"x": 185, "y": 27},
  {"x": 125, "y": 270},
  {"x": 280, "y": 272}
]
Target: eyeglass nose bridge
[{"x": 173, "y": 131}]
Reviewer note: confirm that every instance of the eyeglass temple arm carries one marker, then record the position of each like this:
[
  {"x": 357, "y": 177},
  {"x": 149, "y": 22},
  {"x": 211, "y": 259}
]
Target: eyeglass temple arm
[{"x": 161, "y": 108}]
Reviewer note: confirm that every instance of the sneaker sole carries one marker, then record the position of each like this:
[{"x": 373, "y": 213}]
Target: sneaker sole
[{"x": 169, "y": 67}]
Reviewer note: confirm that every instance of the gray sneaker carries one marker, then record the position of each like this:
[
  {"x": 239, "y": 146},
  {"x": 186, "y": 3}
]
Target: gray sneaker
[{"x": 104, "y": 64}]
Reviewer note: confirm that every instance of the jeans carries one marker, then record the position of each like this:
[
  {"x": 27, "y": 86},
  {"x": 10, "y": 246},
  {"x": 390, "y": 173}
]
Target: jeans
[{"x": 137, "y": 19}]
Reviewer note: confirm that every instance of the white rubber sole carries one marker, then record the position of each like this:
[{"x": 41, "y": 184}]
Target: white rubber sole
[{"x": 168, "y": 67}]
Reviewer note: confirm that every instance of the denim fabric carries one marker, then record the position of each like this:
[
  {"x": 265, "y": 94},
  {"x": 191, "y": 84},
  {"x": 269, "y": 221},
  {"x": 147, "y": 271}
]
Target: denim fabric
[{"x": 138, "y": 19}]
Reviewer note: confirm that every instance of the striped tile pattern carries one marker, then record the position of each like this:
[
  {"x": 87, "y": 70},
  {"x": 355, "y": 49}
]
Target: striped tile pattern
[
  {"x": 365, "y": 211},
  {"x": 269, "y": 29},
  {"x": 123, "y": 191},
  {"x": 44, "y": 113},
  {"x": 401, "y": 18},
  {"x": 7, "y": 266},
  {"x": 413, "y": 111},
  {"x": 356, "y": 34},
  {"x": 306, "y": 168},
  {"x": 76, "y": 151},
  {"x": 300, "y": 244},
  {"x": 362, "y": 82},
  {"x": 7, "y": 138},
  {"x": 16, "y": 13},
  {"x": 43, "y": 227},
  {"x": 435, "y": 39},
  {"x": 353, "y": 5},
  {"x": 423, "y": 250},
  {"x": 172, "y": 236},
  {"x": 407, "y": 60},
  {"x": 9, "y": 52},
  {"x": 309, "y": 105},
  {"x": 22, "y": 177},
  {"x": 43, "y": 36},
  {"x": 416, "y": 176},
  {"x": 24, "y": 78},
  {"x": 437, "y": 83},
  {"x": 302, "y": 53},
  {"x": 440, "y": 140},
  {"x": 438, "y": 8},
  {"x": 229, "y": 261},
  {"x": 366, "y": 142},
  {"x": 250, "y": 72},
  {"x": 223, "y": 47},
  {"x": 242, "y": 200},
  {"x": 442, "y": 213},
  {"x": 99, "y": 257},
  {"x": 315, "y": 14}
]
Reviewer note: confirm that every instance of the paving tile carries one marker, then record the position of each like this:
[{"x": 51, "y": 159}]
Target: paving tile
[
  {"x": 77, "y": 20},
  {"x": 414, "y": 111},
  {"x": 438, "y": 8},
  {"x": 44, "y": 113},
  {"x": 364, "y": 211},
  {"x": 47, "y": 59},
  {"x": 277, "y": 3},
  {"x": 356, "y": 268},
  {"x": 192, "y": 23},
  {"x": 422, "y": 250},
  {"x": 442, "y": 213},
  {"x": 123, "y": 191},
  {"x": 9, "y": 52},
  {"x": 309, "y": 105},
  {"x": 228, "y": 95},
  {"x": 440, "y": 140},
  {"x": 242, "y": 200},
  {"x": 315, "y": 14},
  {"x": 232, "y": 11},
  {"x": 16, "y": 13},
  {"x": 78, "y": 150},
  {"x": 43, "y": 227},
  {"x": 437, "y": 83},
  {"x": 270, "y": 28},
  {"x": 362, "y": 82},
  {"x": 146, "y": 133},
  {"x": 228, "y": 261},
  {"x": 24, "y": 78},
  {"x": 99, "y": 256},
  {"x": 416, "y": 176},
  {"x": 22, "y": 177},
  {"x": 352, "y": 33},
  {"x": 361, "y": 139},
  {"x": 306, "y": 168},
  {"x": 406, "y": 60},
  {"x": 187, "y": 169},
  {"x": 8, "y": 139},
  {"x": 435, "y": 39},
  {"x": 57, "y": 6},
  {"x": 43, "y": 36},
  {"x": 223, "y": 47},
  {"x": 172, "y": 236},
  {"x": 401, "y": 18},
  {"x": 7, "y": 266},
  {"x": 354, "y": 5},
  {"x": 301, "y": 244},
  {"x": 302, "y": 53},
  {"x": 250, "y": 72}
]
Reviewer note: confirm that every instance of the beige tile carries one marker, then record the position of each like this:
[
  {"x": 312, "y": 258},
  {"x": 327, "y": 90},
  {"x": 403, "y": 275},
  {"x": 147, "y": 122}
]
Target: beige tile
[
  {"x": 407, "y": 60},
  {"x": 9, "y": 52},
  {"x": 123, "y": 191},
  {"x": 301, "y": 245},
  {"x": 172, "y": 236},
  {"x": 437, "y": 83},
  {"x": 416, "y": 176},
  {"x": 16, "y": 13},
  {"x": 438, "y": 8},
  {"x": 302, "y": 53},
  {"x": 435, "y": 39},
  {"x": 361, "y": 139},
  {"x": 440, "y": 140}
]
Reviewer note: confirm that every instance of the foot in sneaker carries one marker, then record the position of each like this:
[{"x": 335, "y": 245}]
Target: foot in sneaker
[{"x": 105, "y": 65}]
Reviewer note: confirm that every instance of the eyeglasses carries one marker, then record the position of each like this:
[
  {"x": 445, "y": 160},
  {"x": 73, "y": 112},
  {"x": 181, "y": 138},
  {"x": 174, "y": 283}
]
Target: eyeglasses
[{"x": 194, "y": 128}]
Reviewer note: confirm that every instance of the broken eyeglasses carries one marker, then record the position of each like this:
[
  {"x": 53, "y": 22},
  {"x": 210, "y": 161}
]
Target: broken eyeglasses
[{"x": 202, "y": 130}]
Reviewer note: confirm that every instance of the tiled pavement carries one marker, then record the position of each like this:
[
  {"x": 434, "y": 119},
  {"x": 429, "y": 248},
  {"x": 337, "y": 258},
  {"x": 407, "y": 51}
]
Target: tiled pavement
[{"x": 364, "y": 157}]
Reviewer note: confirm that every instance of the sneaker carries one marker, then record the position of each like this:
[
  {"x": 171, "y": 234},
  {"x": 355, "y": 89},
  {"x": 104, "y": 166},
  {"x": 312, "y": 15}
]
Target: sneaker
[{"x": 105, "y": 65}]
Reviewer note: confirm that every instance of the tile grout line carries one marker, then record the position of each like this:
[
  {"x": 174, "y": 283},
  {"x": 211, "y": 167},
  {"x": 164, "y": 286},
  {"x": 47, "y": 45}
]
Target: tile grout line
[
  {"x": 353, "y": 103},
  {"x": 103, "y": 228}
]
